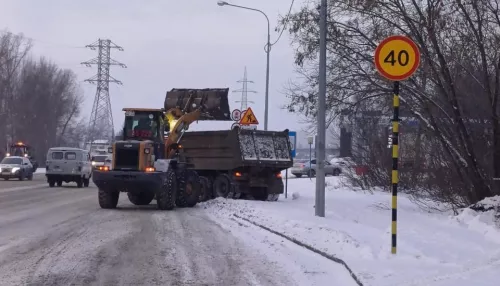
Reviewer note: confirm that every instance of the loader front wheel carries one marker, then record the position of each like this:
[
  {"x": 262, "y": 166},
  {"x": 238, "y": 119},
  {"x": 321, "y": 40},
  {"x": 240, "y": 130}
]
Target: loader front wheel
[
  {"x": 188, "y": 189},
  {"x": 108, "y": 199},
  {"x": 166, "y": 195}
]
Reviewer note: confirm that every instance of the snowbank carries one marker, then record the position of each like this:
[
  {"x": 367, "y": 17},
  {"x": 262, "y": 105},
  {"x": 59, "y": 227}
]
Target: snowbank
[{"x": 433, "y": 248}]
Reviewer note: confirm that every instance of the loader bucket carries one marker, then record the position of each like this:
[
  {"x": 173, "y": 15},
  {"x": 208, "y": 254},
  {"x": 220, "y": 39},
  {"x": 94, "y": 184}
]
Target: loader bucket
[{"x": 213, "y": 101}]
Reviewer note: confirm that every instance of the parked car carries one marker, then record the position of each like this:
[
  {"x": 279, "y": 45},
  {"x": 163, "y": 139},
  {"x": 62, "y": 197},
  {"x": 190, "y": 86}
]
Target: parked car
[
  {"x": 66, "y": 164},
  {"x": 308, "y": 168},
  {"x": 16, "y": 167},
  {"x": 343, "y": 163}
]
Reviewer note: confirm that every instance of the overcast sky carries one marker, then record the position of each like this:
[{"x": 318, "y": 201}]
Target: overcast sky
[{"x": 168, "y": 44}]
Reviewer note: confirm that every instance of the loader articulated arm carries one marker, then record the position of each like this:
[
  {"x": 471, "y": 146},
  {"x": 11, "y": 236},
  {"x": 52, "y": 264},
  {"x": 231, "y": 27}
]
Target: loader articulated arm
[
  {"x": 184, "y": 106},
  {"x": 178, "y": 123}
]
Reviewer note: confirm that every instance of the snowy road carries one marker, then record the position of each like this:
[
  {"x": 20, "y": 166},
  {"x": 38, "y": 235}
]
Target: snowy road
[
  {"x": 60, "y": 236},
  {"x": 38, "y": 179}
]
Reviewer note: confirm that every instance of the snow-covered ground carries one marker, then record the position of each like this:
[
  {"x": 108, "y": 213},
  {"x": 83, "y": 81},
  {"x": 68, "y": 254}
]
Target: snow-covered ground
[
  {"x": 40, "y": 170},
  {"x": 434, "y": 248}
]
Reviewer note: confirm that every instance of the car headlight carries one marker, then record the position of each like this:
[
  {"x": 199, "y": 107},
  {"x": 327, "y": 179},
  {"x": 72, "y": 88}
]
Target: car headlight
[
  {"x": 93, "y": 163},
  {"x": 15, "y": 169}
]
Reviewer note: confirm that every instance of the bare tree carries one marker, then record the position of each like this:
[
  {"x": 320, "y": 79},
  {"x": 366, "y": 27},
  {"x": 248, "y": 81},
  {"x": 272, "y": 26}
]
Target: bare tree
[
  {"x": 13, "y": 50},
  {"x": 39, "y": 102},
  {"x": 453, "y": 95}
]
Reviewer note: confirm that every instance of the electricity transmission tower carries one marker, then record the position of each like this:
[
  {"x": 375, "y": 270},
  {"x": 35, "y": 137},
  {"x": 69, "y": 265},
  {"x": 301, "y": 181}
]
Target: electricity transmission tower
[
  {"x": 244, "y": 91},
  {"x": 101, "y": 118}
]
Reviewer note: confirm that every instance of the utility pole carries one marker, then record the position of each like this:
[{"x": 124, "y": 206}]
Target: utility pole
[
  {"x": 320, "y": 158},
  {"x": 267, "y": 49},
  {"x": 244, "y": 91},
  {"x": 101, "y": 117}
]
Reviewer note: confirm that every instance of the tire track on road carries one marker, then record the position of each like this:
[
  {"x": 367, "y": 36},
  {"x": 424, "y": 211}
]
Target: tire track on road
[{"x": 306, "y": 246}]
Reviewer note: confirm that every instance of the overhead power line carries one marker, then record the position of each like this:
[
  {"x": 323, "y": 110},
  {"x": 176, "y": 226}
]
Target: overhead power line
[{"x": 287, "y": 19}]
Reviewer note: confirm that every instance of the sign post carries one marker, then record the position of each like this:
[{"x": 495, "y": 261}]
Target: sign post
[
  {"x": 292, "y": 136},
  {"x": 396, "y": 58},
  {"x": 236, "y": 117},
  {"x": 310, "y": 141}
]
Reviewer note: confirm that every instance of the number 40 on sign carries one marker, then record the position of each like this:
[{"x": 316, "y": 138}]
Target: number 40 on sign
[{"x": 397, "y": 58}]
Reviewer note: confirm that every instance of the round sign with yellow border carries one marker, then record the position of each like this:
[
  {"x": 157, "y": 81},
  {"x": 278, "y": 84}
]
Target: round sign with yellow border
[{"x": 397, "y": 58}]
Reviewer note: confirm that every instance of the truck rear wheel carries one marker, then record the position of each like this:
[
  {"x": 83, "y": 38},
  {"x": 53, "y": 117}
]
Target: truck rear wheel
[
  {"x": 260, "y": 193},
  {"x": 222, "y": 186},
  {"x": 108, "y": 199},
  {"x": 205, "y": 189},
  {"x": 165, "y": 196},
  {"x": 273, "y": 197},
  {"x": 188, "y": 189},
  {"x": 141, "y": 199}
]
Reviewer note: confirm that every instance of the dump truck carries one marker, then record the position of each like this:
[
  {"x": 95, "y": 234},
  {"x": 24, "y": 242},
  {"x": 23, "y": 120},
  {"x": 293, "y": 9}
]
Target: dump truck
[
  {"x": 238, "y": 163},
  {"x": 147, "y": 165}
]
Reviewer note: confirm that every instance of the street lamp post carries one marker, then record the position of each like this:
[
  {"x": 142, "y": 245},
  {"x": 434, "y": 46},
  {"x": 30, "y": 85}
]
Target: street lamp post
[
  {"x": 267, "y": 49},
  {"x": 320, "y": 158}
]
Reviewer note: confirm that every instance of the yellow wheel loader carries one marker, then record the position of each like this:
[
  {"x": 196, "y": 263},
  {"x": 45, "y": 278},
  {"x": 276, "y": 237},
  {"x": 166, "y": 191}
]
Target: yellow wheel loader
[{"x": 148, "y": 162}]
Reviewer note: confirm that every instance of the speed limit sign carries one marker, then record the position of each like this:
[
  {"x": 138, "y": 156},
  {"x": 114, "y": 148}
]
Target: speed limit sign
[{"x": 397, "y": 58}]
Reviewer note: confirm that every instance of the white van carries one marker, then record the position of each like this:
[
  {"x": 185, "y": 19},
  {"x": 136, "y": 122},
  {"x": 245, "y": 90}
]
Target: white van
[{"x": 65, "y": 164}]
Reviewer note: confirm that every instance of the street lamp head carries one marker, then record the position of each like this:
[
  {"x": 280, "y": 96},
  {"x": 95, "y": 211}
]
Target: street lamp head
[{"x": 221, "y": 3}]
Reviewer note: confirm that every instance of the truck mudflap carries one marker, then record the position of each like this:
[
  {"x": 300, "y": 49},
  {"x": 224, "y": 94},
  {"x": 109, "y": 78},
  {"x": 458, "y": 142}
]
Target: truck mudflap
[
  {"x": 128, "y": 181},
  {"x": 214, "y": 101}
]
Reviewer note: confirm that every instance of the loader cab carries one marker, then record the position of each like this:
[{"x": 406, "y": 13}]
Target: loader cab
[
  {"x": 143, "y": 124},
  {"x": 143, "y": 133},
  {"x": 22, "y": 150},
  {"x": 19, "y": 149}
]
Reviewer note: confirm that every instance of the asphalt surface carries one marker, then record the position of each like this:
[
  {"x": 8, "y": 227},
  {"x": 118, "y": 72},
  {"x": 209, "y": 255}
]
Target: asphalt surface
[
  {"x": 15, "y": 183},
  {"x": 60, "y": 236}
]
